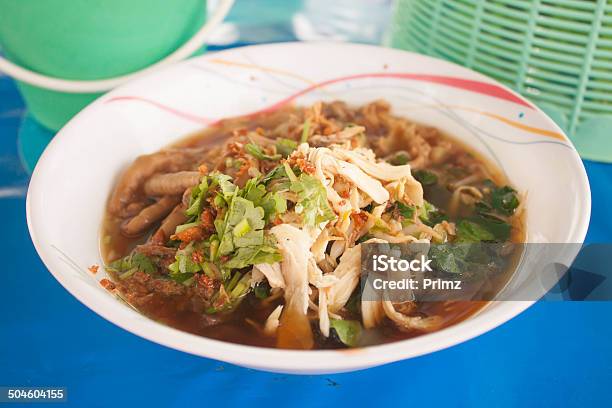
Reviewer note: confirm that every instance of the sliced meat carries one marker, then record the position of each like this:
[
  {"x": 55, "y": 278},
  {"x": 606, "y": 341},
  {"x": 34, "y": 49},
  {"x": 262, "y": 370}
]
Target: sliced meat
[{"x": 294, "y": 330}]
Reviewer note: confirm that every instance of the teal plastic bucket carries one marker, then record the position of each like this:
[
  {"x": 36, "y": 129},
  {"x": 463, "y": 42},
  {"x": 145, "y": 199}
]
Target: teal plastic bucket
[{"x": 90, "y": 40}]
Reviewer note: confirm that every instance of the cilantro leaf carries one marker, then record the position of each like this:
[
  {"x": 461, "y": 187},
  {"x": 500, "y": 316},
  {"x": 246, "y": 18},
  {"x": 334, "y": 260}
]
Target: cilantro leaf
[
  {"x": 305, "y": 131},
  {"x": 257, "y": 152},
  {"x": 450, "y": 258},
  {"x": 498, "y": 227},
  {"x": 406, "y": 211},
  {"x": 469, "y": 231},
  {"x": 426, "y": 178},
  {"x": 470, "y": 260},
  {"x": 504, "y": 200},
  {"x": 135, "y": 260},
  {"x": 312, "y": 203},
  {"x": 253, "y": 191},
  {"x": 184, "y": 262},
  {"x": 273, "y": 203},
  {"x": 348, "y": 331},
  {"x": 431, "y": 215},
  {"x": 225, "y": 184},
  {"x": 241, "y": 209},
  {"x": 285, "y": 146},
  {"x": 198, "y": 194},
  {"x": 276, "y": 173},
  {"x": 143, "y": 263},
  {"x": 399, "y": 159},
  {"x": 483, "y": 228},
  {"x": 247, "y": 256},
  {"x": 262, "y": 290}
]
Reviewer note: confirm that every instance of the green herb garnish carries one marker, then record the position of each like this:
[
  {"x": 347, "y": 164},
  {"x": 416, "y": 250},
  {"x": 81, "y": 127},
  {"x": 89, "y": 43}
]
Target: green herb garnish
[
  {"x": 312, "y": 203},
  {"x": 504, "y": 200},
  {"x": 399, "y": 159},
  {"x": 285, "y": 146},
  {"x": 348, "y": 331},
  {"x": 431, "y": 215},
  {"x": 262, "y": 290},
  {"x": 133, "y": 262},
  {"x": 426, "y": 178},
  {"x": 257, "y": 152},
  {"x": 305, "y": 131}
]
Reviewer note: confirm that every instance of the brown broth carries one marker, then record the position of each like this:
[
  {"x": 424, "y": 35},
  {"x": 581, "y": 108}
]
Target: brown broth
[{"x": 237, "y": 328}]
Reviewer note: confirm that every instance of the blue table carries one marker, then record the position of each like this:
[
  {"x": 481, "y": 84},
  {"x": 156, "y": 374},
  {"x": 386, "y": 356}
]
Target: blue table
[{"x": 554, "y": 354}]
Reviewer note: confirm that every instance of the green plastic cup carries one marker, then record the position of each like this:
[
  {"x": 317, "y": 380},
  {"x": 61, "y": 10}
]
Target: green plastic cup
[{"x": 88, "y": 40}]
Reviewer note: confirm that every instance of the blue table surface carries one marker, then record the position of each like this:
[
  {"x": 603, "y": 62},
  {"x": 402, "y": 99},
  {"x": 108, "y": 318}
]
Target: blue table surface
[{"x": 554, "y": 354}]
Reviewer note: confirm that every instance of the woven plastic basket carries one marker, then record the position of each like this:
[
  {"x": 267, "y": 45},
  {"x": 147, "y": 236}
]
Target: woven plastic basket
[{"x": 558, "y": 53}]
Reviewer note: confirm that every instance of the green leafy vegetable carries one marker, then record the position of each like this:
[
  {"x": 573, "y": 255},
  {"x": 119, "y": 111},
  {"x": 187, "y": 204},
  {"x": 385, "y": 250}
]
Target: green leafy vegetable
[
  {"x": 305, "y": 131},
  {"x": 198, "y": 194},
  {"x": 312, "y": 203},
  {"x": 262, "y": 290},
  {"x": 143, "y": 263},
  {"x": 231, "y": 293},
  {"x": 400, "y": 159},
  {"x": 285, "y": 146},
  {"x": 272, "y": 202},
  {"x": 241, "y": 228},
  {"x": 184, "y": 278},
  {"x": 253, "y": 191},
  {"x": 406, "y": 211},
  {"x": 184, "y": 263},
  {"x": 241, "y": 209},
  {"x": 348, "y": 331},
  {"x": 488, "y": 224},
  {"x": 289, "y": 172},
  {"x": 498, "y": 227},
  {"x": 431, "y": 215},
  {"x": 133, "y": 262},
  {"x": 426, "y": 178},
  {"x": 241, "y": 287},
  {"x": 504, "y": 200},
  {"x": 276, "y": 173},
  {"x": 246, "y": 256},
  {"x": 225, "y": 184},
  {"x": 469, "y": 231},
  {"x": 257, "y": 152},
  {"x": 450, "y": 258},
  {"x": 467, "y": 259},
  {"x": 500, "y": 200}
]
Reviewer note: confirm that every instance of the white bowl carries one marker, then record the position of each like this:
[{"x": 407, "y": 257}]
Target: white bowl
[{"x": 74, "y": 176}]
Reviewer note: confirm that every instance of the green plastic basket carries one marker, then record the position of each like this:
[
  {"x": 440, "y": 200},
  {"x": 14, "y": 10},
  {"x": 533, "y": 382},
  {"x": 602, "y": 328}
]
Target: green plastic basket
[{"x": 557, "y": 53}]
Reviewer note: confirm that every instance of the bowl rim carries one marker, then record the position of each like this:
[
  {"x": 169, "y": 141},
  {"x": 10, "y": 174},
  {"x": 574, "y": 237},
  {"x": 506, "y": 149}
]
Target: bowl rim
[{"x": 271, "y": 359}]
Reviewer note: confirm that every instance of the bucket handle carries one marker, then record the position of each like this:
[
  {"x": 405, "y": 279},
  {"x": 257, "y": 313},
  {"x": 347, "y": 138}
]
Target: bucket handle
[{"x": 95, "y": 86}]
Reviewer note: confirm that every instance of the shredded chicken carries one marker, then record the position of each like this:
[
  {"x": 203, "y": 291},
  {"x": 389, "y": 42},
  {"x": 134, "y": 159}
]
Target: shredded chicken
[
  {"x": 372, "y": 313},
  {"x": 272, "y": 321},
  {"x": 411, "y": 322},
  {"x": 347, "y": 272},
  {"x": 272, "y": 272},
  {"x": 294, "y": 330}
]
